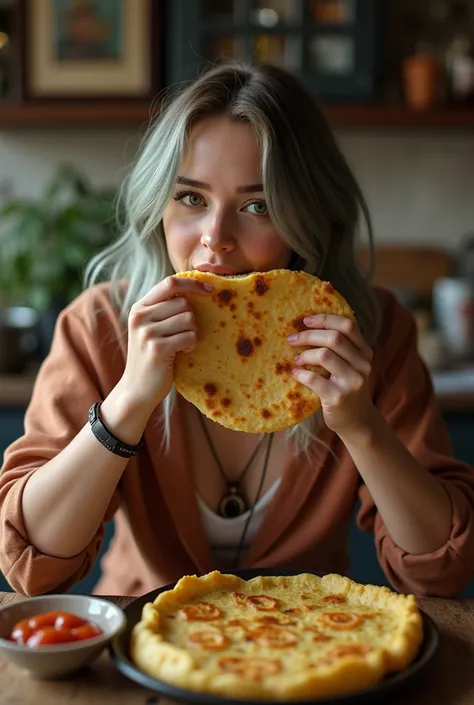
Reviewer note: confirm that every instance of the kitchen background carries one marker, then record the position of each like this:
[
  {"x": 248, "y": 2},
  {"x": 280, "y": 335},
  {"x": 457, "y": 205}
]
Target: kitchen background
[{"x": 80, "y": 78}]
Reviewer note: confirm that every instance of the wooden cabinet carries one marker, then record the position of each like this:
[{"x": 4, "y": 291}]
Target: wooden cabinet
[{"x": 334, "y": 45}]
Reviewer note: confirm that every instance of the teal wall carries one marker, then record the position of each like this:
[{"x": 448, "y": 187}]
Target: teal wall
[{"x": 364, "y": 564}]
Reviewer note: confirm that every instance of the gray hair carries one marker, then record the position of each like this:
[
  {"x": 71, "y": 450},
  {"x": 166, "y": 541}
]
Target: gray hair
[{"x": 313, "y": 198}]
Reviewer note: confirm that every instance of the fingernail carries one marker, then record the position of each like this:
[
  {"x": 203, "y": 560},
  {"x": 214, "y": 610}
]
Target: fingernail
[
  {"x": 293, "y": 338},
  {"x": 208, "y": 287},
  {"x": 296, "y": 358},
  {"x": 308, "y": 319}
]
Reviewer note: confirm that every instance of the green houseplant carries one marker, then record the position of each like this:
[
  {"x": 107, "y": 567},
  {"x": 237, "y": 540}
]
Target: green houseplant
[{"x": 45, "y": 243}]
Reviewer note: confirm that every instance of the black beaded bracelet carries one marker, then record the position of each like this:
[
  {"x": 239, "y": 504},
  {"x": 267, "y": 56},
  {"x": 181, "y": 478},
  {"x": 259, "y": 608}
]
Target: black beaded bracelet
[{"x": 105, "y": 436}]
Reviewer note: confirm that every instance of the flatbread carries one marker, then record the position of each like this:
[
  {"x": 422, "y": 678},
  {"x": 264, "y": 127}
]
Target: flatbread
[
  {"x": 239, "y": 374},
  {"x": 276, "y": 638}
]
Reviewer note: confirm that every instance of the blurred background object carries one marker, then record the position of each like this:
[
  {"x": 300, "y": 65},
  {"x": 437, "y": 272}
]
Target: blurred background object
[{"x": 19, "y": 338}]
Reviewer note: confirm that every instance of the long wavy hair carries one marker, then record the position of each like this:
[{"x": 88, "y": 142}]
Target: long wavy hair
[{"x": 313, "y": 198}]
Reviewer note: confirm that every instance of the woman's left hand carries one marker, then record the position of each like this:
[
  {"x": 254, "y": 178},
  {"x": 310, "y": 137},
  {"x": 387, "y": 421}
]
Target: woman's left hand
[{"x": 337, "y": 345}]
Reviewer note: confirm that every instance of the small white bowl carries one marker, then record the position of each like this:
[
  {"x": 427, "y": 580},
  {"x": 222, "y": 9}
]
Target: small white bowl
[{"x": 48, "y": 662}]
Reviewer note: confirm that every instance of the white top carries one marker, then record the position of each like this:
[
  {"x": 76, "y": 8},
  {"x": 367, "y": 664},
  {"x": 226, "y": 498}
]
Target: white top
[{"x": 224, "y": 534}]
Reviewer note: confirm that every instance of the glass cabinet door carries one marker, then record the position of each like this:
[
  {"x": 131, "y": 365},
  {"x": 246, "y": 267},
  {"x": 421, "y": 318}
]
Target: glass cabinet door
[
  {"x": 331, "y": 44},
  {"x": 342, "y": 48}
]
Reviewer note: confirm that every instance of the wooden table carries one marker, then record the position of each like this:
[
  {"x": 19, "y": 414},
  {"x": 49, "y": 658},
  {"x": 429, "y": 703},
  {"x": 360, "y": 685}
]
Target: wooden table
[{"x": 449, "y": 680}]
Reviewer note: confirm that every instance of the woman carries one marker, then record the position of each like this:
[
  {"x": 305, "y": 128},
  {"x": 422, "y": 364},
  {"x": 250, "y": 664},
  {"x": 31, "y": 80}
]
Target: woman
[{"x": 240, "y": 173}]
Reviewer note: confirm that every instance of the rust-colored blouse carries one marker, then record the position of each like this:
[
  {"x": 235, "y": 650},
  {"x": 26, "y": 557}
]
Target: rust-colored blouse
[{"x": 159, "y": 534}]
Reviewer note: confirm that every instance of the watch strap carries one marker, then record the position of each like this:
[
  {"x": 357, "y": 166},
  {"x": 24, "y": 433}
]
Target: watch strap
[{"x": 105, "y": 436}]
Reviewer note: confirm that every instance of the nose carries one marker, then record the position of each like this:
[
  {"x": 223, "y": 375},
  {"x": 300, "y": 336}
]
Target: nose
[{"x": 218, "y": 235}]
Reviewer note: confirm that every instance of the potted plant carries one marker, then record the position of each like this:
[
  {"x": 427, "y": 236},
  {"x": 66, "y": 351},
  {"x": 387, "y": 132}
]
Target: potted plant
[{"x": 45, "y": 243}]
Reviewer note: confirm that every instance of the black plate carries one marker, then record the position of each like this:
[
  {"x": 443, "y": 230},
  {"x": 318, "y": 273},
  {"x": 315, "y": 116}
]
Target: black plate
[{"x": 120, "y": 655}]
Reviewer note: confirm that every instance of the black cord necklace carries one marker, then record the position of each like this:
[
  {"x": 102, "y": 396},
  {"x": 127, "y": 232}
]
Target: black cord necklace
[
  {"x": 232, "y": 503},
  {"x": 252, "y": 509}
]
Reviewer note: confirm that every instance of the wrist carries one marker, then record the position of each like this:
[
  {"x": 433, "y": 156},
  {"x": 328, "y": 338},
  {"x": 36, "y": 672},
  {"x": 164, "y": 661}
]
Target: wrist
[
  {"x": 367, "y": 430},
  {"x": 125, "y": 416}
]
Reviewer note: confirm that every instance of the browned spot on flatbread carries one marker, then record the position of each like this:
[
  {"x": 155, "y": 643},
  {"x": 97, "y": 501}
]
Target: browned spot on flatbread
[
  {"x": 299, "y": 405},
  {"x": 222, "y": 324},
  {"x": 257, "y": 341},
  {"x": 226, "y": 401},
  {"x": 210, "y": 388},
  {"x": 244, "y": 346},
  {"x": 298, "y": 323},
  {"x": 328, "y": 287},
  {"x": 232, "y": 307},
  {"x": 225, "y": 296},
  {"x": 281, "y": 367},
  {"x": 260, "y": 286},
  {"x": 266, "y": 413}
]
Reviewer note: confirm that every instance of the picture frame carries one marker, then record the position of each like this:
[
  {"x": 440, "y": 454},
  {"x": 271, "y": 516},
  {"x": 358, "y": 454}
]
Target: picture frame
[{"x": 91, "y": 50}]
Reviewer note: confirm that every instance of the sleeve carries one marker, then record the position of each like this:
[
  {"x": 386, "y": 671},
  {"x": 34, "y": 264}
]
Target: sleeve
[
  {"x": 406, "y": 398},
  {"x": 66, "y": 385}
]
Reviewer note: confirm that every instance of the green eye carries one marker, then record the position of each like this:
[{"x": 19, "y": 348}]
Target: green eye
[
  {"x": 194, "y": 199},
  {"x": 259, "y": 208},
  {"x": 189, "y": 199}
]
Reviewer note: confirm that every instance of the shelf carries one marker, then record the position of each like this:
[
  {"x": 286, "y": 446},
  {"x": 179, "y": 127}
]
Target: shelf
[
  {"x": 133, "y": 113},
  {"x": 72, "y": 114},
  {"x": 397, "y": 116}
]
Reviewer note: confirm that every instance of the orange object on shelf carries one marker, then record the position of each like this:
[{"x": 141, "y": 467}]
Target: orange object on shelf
[{"x": 421, "y": 79}]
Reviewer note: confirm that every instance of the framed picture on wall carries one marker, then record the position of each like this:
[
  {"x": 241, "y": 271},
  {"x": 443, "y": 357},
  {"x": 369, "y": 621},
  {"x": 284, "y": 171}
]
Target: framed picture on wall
[{"x": 90, "y": 49}]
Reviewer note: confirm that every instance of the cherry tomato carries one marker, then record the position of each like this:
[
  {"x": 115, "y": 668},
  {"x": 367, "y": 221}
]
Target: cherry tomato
[
  {"x": 66, "y": 620},
  {"x": 47, "y": 619},
  {"x": 87, "y": 631},
  {"x": 53, "y": 628},
  {"x": 49, "y": 636},
  {"x": 21, "y": 632}
]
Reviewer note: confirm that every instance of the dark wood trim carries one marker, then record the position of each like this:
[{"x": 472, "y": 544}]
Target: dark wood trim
[
  {"x": 72, "y": 114},
  {"x": 112, "y": 113},
  {"x": 397, "y": 116}
]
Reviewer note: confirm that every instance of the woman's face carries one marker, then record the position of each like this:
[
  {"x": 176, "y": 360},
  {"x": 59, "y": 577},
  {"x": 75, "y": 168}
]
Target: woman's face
[{"x": 217, "y": 219}]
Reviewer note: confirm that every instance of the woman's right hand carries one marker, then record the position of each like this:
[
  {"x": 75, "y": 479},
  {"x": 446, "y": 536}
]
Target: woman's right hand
[{"x": 160, "y": 325}]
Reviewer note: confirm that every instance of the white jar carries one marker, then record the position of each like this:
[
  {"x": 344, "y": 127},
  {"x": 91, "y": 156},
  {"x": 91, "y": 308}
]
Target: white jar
[{"x": 453, "y": 309}]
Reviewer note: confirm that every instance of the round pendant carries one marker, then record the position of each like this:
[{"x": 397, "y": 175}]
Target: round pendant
[{"x": 232, "y": 504}]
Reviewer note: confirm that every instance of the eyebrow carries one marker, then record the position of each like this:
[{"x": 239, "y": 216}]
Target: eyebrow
[{"x": 250, "y": 188}]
